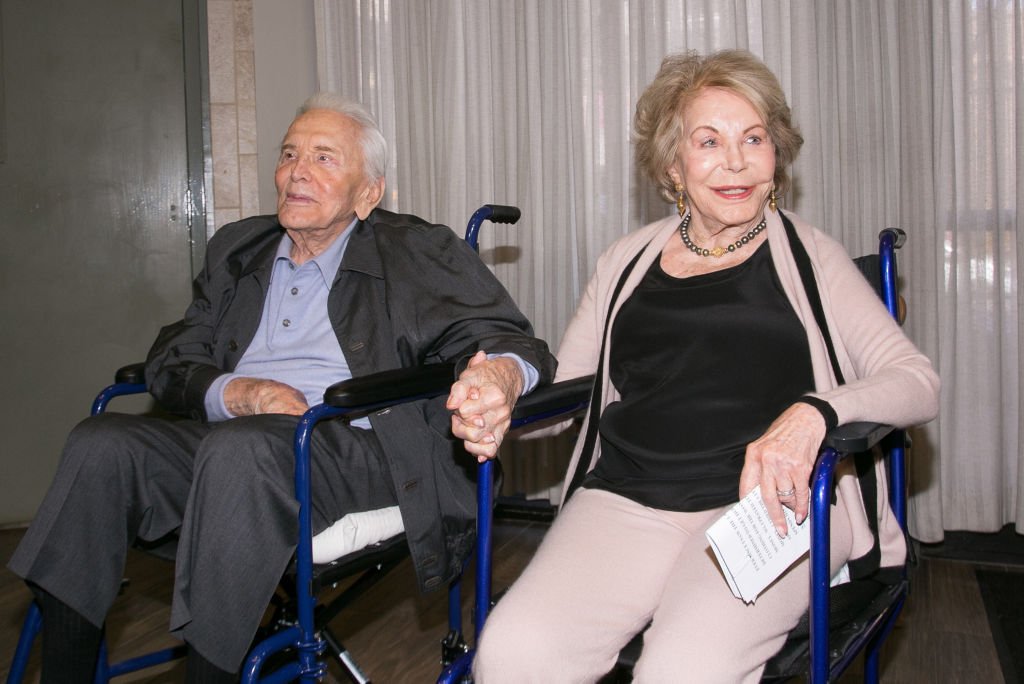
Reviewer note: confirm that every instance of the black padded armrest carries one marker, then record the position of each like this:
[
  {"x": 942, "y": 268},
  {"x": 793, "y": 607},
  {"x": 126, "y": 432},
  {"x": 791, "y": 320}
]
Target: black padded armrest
[
  {"x": 558, "y": 396},
  {"x": 392, "y": 386},
  {"x": 569, "y": 394},
  {"x": 855, "y": 437},
  {"x": 134, "y": 373}
]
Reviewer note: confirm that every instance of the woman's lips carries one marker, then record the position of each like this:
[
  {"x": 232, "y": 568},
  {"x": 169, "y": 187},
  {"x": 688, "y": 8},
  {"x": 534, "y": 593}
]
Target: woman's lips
[{"x": 734, "y": 193}]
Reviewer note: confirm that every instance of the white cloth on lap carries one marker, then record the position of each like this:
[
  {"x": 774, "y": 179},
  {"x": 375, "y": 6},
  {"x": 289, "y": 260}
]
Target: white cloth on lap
[{"x": 356, "y": 531}]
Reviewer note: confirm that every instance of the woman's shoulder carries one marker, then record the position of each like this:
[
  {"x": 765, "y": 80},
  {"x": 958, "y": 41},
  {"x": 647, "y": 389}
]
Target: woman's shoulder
[
  {"x": 819, "y": 244},
  {"x": 627, "y": 246}
]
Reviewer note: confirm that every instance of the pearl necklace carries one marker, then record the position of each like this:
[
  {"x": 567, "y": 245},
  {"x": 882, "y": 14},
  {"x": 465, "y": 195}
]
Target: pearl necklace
[{"x": 717, "y": 252}]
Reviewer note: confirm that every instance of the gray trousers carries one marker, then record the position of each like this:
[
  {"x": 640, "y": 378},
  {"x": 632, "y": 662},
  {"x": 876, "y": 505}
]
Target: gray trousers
[{"x": 225, "y": 488}]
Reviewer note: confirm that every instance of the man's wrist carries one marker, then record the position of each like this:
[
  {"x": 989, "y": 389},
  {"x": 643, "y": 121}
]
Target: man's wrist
[
  {"x": 527, "y": 373},
  {"x": 216, "y": 408}
]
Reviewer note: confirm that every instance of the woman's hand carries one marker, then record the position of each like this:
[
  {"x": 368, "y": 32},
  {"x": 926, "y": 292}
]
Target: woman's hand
[
  {"x": 481, "y": 402},
  {"x": 781, "y": 461}
]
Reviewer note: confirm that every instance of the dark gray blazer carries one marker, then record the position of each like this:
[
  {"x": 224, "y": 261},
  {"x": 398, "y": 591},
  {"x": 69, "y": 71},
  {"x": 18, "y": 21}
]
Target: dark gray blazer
[{"x": 407, "y": 293}]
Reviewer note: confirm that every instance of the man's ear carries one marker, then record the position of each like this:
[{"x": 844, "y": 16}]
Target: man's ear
[{"x": 371, "y": 196}]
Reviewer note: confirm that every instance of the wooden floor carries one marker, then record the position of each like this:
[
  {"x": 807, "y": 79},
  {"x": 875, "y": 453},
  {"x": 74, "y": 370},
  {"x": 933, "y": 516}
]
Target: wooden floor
[{"x": 943, "y": 635}]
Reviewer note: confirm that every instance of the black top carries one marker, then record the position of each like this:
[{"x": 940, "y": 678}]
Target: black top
[{"x": 703, "y": 365}]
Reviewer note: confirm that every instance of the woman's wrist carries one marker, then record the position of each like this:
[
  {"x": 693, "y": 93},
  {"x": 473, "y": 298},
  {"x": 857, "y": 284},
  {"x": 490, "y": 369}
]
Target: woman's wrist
[{"x": 824, "y": 408}]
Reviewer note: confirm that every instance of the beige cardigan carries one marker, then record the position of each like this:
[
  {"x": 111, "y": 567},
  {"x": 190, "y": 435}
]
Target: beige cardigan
[{"x": 888, "y": 379}]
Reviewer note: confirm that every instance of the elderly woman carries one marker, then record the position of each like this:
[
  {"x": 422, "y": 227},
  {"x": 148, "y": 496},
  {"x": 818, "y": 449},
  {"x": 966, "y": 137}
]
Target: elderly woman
[{"x": 713, "y": 378}]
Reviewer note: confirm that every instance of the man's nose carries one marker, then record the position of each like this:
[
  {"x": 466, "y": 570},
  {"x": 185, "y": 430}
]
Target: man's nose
[{"x": 300, "y": 168}]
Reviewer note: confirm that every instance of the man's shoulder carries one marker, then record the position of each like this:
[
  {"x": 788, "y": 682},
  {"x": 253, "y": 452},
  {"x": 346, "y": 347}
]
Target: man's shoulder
[
  {"x": 248, "y": 228},
  {"x": 251, "y": 233},
  {"x": 391, "y": 243},
  {"x": 389, "y": 225}
]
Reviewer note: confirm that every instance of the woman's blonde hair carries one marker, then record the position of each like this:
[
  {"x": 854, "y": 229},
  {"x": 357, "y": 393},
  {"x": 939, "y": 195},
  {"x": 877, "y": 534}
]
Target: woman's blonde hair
[{"x": 657, "y": 124}]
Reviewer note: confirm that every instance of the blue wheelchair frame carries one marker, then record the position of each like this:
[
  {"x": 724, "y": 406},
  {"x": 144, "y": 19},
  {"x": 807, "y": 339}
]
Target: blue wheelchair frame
[
  {"x": 351, "y": 398},
  {"x": 571, "y": 397},
  {"x": 855, "y": 438}
]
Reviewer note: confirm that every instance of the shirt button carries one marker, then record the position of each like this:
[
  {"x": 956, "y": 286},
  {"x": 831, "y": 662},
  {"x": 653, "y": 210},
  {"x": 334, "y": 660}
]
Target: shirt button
[
  {"x": 295, "y": 290},
  {"x": 286, "y": 323}
]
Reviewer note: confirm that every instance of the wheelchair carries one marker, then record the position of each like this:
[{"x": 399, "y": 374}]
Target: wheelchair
[
  {"x": 295, "y": 638},
  {"x": 841, "y": 622}
]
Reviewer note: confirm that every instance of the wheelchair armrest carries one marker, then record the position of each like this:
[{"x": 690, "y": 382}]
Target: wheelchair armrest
[
  {"x": 129, "y": 379},
  {"x": 134, "y": 373},
  {"x": 551, "y": 400},
  {"x": 855, "y": 437},
  {"x": 391, "y": 386}
]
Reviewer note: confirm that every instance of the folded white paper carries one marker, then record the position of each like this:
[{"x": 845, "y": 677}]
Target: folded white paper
[{"x": 750, "y": 551}]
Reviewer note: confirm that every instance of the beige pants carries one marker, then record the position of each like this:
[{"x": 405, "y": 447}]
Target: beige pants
[{"x": 607, "y": 567}]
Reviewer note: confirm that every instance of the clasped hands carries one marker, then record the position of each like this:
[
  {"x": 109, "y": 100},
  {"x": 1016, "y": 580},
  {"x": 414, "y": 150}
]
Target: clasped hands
[{"x": 481, "y": 402}]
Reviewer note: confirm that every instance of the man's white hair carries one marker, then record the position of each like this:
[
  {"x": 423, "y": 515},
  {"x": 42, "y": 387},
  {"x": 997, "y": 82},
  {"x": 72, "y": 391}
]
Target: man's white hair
[{"x": 375, "y": 149}]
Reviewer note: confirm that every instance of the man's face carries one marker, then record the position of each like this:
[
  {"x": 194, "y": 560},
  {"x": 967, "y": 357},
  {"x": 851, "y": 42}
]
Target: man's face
[{"x": 321, "y": 184}]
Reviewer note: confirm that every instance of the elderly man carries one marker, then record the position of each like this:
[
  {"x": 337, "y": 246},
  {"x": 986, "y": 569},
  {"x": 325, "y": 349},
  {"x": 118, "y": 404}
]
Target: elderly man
[{"x": 286, "y": 305}]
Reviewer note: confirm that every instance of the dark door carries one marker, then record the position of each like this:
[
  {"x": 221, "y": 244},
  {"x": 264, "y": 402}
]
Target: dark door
[{"x": 96, "y": 245}]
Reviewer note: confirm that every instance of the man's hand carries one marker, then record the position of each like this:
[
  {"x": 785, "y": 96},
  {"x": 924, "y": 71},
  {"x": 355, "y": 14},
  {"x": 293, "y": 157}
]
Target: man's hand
[
  {"x": 252, "y": 396},
  {"x": 781, "y": 461},
  {"x": 481, "y": 402}
]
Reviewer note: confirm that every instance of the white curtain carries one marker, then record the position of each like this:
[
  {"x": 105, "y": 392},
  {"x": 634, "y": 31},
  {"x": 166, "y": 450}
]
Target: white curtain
[{"x": 911, "y": 115}]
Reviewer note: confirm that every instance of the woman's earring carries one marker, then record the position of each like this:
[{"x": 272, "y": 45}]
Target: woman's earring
[
  {"x": 773, "y": 203},
  {"x": 680, "y": 200}
]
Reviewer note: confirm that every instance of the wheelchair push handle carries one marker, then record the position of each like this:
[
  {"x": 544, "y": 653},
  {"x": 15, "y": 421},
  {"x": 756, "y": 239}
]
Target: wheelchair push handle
[
  {"x": 496, "y": 213},
  {"x": 134, "y": 373},
  {"x": 502, "y": 213},
  {"x": 897, "y": 235}
]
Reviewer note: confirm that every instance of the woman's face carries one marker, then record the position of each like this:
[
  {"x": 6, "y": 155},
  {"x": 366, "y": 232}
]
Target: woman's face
[{"x": 725, "y": 161}]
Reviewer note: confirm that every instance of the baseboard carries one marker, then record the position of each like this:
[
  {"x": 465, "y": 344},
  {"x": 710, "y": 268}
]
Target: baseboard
[{"x": 1004, "y": 547}]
